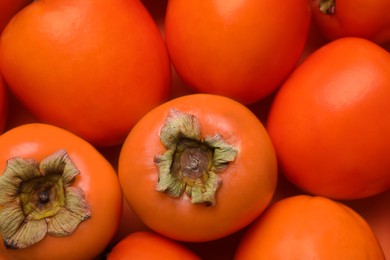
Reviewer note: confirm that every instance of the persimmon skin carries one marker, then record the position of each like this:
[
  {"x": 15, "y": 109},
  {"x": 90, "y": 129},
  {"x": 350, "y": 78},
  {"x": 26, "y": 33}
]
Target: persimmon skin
[
  {"x": 309, "y": 227},
  {"x": 144, "y": 245},
  {"x": 97, "y": 179},
  {"x": 248, "y": 183},
  {"x": 91, "y": 67},
  {"x": 351, "y": 18},
  {"x": 330, "y": 121},
  {"x": 239, "y": 49}
]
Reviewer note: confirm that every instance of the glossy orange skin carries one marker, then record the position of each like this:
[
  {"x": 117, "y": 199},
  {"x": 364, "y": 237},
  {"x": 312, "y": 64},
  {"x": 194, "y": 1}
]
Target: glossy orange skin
[
  {"x": 144, "y": 245},
  {"x": 239, "y": 49},
  {"x": 97, "y": 178},
  {"x": 8, "y": 8},
  {"x": 248, "y": 183},
  {"x": 355, "y": 18},
  {"x": 330, "y": 121},
  {"x": 91, "y": 67},
  {"x": 307, "y": 227}
]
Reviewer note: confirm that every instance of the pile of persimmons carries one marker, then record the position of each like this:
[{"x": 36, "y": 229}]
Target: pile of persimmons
[{"x": 179, "y": 129}]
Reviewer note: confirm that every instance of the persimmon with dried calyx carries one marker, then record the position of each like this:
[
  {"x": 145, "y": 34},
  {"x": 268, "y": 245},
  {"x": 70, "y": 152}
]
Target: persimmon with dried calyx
[
  {"x": 203, "y": 164},
  {"x": 351, "y": 18},
  {"x": 309, "y": 227},
  {"x": 51, "y": 186}
]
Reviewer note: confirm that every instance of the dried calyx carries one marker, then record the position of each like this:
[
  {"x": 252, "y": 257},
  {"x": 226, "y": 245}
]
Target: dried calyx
[
  {"x": 38, "y": 199},
  {"x": 191, "y": 163},
  {"x": 327, "y": 6}
]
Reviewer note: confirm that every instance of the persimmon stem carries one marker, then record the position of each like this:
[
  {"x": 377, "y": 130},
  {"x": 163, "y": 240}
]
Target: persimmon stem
[
  {"x": 191, "y": 163},
  {"x": 44, "y": 196}
]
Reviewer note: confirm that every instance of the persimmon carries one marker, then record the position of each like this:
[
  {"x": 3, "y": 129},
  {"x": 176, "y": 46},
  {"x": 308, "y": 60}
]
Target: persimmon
[
  {"x": 59, "y": 197},
  {"x": 239, "y": 49},
  {"x": 145, "y": 245},
  {"x": 329, "y": 122},
  {"x": 198, "y": 167},
  {"x": 309, "y": 227},
  {"x": 351, "y": 18},
  {"x": 91, "y": 67}
]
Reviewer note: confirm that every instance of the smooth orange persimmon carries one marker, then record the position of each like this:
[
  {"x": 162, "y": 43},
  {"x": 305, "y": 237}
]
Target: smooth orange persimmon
[
  {"x": 330, "y": 121},
  {"x": 353, "y": 18},
  {"x": 59, "y": 197},
  {"x": 91, "y": 67},
  {"x": 307, "y": 227},
  {"x": 198, "y": 168},
  {"x": 240, "y": 49},
  {"x": 147, "y": 245}
]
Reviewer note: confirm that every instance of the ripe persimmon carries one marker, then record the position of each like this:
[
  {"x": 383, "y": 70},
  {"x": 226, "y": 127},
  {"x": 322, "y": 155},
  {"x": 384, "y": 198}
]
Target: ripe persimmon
[
  {"x": 330, "y": 121},
  {"x": 239, "y": 49},
  {"x": 59, "y": 197},
  {"x": 198, "y": 167},
  {"x": 309, "y": 227},
  {"x": 91, "y": 67},
  {"x": 351, "y": 18},
  {"x": 147, "y": 245}
]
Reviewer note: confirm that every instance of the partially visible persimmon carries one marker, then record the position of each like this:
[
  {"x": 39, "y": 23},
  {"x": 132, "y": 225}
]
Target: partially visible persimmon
[
  {"x": 59, "y": 197},
  {"x": 309, "y": 227},
  {"x": 353, "y": 18},
  {"x": 148, "y": 245},
  {"x": 330, "y": 121},
  {"x": 91, "y": 67},
  {"x": 239, "y": 49}
]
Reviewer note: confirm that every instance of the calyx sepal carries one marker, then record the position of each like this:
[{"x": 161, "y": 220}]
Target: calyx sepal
[
  {"x": 191, "y": 163},
  {"x": 38, "y": 199}
]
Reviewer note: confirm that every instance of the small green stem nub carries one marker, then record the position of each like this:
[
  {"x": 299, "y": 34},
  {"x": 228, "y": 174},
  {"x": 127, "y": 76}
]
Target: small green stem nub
[
  {"x": 38, "y": 199},
  {"x": 191, "y": 163},
  {"x": 327, "y": 6}
]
